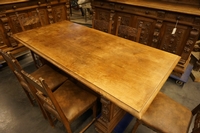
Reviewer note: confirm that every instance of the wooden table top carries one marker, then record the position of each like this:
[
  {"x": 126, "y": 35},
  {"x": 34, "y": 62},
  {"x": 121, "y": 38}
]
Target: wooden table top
[{"x": 127, "y": 73}]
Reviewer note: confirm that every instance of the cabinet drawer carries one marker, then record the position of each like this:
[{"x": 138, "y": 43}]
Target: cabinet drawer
[
  {"x": 102, "y": 4},
  {"x": 136, "y": 10},
  {"x": 189, "y": 19}
]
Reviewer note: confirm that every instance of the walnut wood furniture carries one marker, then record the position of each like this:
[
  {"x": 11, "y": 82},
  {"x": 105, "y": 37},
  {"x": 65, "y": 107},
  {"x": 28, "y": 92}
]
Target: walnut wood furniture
[
  {"x": 126, "y": 74},
  {"x": 165, "y": 115},
  {"x": 157, "y": 18},
  {"x": 52, "y": 77},
  {"x": 127, "y": 31},
  {"x": 51, "y": 11},
  {"x": 66, "y": 103}
]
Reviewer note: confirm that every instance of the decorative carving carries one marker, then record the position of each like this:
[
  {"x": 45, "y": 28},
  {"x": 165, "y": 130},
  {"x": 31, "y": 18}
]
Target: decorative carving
[
  {"x": 50, "y": 14},
  {"x": 43, "y": 18},
  {"x": 15, "y": 22},
  {"x": 59, "y": 13},
  {"x": 156, "y": 34},
  {"x": 191, "y": 40},
  {"x": 125, "y": 20},
  {"x": 171, "y": 42},
  {"x": 105, "y": 116},
  {"x": 104, "y": 22},
  {"x": 33, "y": 20},
  {"x": 8, "y": 32},
  {"x": 146, "y": 26},
  {"x": 1, "y": 38},
  {"x": 67, "y": 10},
  {"x": 127, "y": 32}
]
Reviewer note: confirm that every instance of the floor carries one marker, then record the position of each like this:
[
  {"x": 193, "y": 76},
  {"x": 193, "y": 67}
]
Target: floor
[{"x": 18, "y": 116}]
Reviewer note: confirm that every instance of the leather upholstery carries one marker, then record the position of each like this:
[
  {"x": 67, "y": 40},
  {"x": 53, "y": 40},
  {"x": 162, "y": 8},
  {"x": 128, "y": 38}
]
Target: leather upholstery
[
  {"x": 52, "y": 78},
  {"x": 73, "y": 100},
  {"x": 167, "y": 116}
]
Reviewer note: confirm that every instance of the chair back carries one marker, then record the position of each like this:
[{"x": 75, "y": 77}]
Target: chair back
[
  {"x": 102, "y": 25},
  {"x": 34, "y": 84},
  {"x": 11, "y": 60},
  {"x": 29, "y": 20},
  {"x": 127, "y": 31},
  {"x": 45, "y": 96}
]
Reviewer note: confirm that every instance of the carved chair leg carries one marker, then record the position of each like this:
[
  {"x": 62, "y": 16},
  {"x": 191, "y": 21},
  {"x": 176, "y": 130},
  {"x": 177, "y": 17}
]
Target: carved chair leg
[{"x": 137, "y": 123}]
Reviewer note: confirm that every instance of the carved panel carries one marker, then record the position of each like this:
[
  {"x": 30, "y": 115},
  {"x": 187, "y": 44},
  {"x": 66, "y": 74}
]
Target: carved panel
[
  {"x": 147, "y": 26},
  {"x": 172, "y": 42},
  {"x": 103, "y": 15},
  {"x": 59, "y": 13},
  {"x": 33, "y": 20},
  {"x": 106, "y": 105},
  {"x": 50, "y": 14},
  {"x": 8, "y": 31},
  {"x": 125, "y": 19},
  {"x": 103, "y": 21},
  {"x": 15, "y": 23}
]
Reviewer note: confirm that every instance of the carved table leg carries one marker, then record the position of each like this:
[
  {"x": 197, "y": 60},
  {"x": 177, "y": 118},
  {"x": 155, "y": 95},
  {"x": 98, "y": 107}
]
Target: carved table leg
[{"x": 110, "y": 116}]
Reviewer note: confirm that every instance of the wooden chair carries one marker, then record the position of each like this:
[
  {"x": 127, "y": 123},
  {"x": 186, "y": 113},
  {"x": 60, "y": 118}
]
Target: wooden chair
[
  {"x": 127, "y": 31},
  {"x": 66, "y": 104},
  {"x": 102, "y": 25},
  {"x": 52, "y": 77},
  {"x": 32, "y": 22},
  {"x": 167, "y": 116}
]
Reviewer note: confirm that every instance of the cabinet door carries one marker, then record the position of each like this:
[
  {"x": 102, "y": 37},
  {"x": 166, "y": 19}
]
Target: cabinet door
[
  {"x": 147, "y": 26},
  {"x": 173, "y": 43}
]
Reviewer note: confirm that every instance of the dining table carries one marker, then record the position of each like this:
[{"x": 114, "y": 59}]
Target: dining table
[{"x": 127, "y": 75}]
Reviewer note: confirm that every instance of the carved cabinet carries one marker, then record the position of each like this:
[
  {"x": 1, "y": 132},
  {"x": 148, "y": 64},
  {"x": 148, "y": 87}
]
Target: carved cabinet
[
  {"x": 50, "y": 11},
  {"x": 158, "y": 20}
]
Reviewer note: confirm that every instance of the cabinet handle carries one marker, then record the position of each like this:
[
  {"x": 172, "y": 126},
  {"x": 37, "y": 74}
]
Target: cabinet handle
[
  {"x": 101, "y": 4},
  {"x": 121, "y": 7},
  {"x": 14, "y": 7},
  {"x": 178, "y": 17},
  {"x": 39, "y": 3}
]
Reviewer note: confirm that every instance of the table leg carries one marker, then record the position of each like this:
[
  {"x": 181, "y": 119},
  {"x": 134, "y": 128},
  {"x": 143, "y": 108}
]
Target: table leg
[{"x": 110, "y": 116}]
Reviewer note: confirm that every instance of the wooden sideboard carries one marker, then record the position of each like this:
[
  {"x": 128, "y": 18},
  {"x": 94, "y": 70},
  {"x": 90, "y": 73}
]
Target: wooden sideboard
[
  {"x": 157, "y": 18},
  {"x": 51, "y": 11}
]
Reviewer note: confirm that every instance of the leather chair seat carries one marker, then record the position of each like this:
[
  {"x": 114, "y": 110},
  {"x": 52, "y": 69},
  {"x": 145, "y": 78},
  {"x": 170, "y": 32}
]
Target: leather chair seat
[
  {"x": 52, "y": 78},
  {"x": 164, "y": 113},
  {"x": 78, "y": 101}
]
